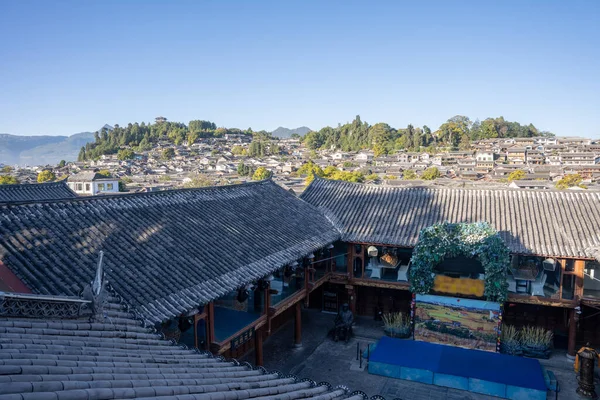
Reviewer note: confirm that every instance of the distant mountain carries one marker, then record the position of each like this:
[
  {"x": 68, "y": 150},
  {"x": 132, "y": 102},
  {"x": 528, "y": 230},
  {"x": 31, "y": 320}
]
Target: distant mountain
[
  {"x": 284, "y": 133},
  {"x": 41, "y": 150}
]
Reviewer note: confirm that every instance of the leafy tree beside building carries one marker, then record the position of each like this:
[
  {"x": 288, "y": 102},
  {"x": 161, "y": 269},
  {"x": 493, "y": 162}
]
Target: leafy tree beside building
[
  {"x": 8, "y": 180},
  {"x": 516, "y": 175},
  {"x": 46, "y": 176},
  {"x": 261, "y": 173},
  {"x": 168, "y": 153},
  {"x": 431, "y": 174},
  {"x": 570, "y": 180}
]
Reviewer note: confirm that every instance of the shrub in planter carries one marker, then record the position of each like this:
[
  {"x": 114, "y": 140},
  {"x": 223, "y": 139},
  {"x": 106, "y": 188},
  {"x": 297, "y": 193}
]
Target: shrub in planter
[
  {"x": 396, "y": 325},
  {"x": 509, "y": 341},
  {"x": 536, "y": 341}
]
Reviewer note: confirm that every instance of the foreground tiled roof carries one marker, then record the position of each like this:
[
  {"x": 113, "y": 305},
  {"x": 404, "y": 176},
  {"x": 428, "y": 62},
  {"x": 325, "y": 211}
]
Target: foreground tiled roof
[
  {"x": 35, "y": 192},
  {"x": 549, "y": 222},
  {"x": 165, "y": 252},
  {"x": 117, "y": 358}
]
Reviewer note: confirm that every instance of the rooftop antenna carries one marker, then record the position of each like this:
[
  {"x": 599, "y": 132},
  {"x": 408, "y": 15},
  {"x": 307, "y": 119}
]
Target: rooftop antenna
[{"x": 97, "y": 284}]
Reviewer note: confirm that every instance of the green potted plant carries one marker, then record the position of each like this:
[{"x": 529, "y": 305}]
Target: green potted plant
[
  {"x": 536, "y": 341},
  {"x": 396, "y": 325}
]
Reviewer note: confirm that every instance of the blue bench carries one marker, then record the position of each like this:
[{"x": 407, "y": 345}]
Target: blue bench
[{"x": 551, "y": 381}]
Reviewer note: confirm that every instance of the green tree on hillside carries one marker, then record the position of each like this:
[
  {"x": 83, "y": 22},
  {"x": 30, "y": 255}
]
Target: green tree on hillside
[
  {"x": 570, "y": 180},
  {"x": 431, "y": 174},
  {"x": 125, "y": 154},
  {"x": 409, "y": 174},
  {"x": 46, "y": 176},
  {"x": 168, "y": 153},
  {"x": 261, "y": 173},
  {"x": 516, "y": 175},
  {"x": 8, "y": 180}
]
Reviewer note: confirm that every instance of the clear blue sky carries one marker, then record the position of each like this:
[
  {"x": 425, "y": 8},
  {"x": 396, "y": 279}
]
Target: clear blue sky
[{"x": 72, "y": 66}]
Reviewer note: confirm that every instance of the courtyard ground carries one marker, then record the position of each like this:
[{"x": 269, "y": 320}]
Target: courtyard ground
[{"x": 321, "y": 359}]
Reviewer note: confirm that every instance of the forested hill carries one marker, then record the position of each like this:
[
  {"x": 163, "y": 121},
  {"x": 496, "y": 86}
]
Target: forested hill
[
  {"x": 145, "y": 136},
  {"x": 456, "y": 133}
]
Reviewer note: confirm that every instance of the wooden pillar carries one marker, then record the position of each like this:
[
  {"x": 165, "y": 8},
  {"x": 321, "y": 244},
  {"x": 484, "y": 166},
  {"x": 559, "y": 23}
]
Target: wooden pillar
[
  {"x": 351, "y": 298},
  {"x": 308, "y": 269},
  {"x": 579, "y": 268},
  {"x": 572, "y": 334},
  {"x": 298, "y": 326},
  {"x": 268, "y": 307},
  {"x": 210, "y": 325},
  {"x": 330, "y": 263},
  {"x": 258, "y": 299},
  {"x": 196, "y": 319},
  {"x": 350, "y": 262},
  {"x": 258, "y": 347}
]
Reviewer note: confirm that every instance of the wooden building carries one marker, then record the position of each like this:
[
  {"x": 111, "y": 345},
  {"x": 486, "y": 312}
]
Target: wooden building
[{"x": 553, "y": 234}]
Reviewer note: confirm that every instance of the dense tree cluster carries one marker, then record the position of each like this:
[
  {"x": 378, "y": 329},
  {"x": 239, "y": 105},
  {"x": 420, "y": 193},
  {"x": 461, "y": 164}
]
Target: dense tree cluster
[
  {"x": 244, "y": 169},
  {"x": 262, "y": 145},
  {"x": 455, "y": 133},
  {"x": 569, "y": 181},
  {"x": 516, "y": 175},
  {"x": 46, "y": 176},
  {"x": 143, "y": 136},
  {"x": 311, "y": 170},
  {"x": 8, "y": 180},
  {"x": 261, "y": 173}
]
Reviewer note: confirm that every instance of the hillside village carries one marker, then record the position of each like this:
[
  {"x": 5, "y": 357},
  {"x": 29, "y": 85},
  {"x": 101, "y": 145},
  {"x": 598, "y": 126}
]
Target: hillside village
[{"x": 542, "y": 160}]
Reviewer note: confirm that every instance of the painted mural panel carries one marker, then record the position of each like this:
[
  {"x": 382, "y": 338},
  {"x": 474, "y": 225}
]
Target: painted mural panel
[{"x": 459, "y": 322}]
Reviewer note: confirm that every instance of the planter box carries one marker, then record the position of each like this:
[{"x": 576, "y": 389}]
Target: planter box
[{"x": 397, "y": 333}]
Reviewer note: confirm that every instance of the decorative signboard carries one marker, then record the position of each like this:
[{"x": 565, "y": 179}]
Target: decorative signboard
[
  {"x": 242, "y": 338},
  {"x": 330, "y": 302},
  {"x": 468, "y": 323},
  {"x": 459, "y": 286}
]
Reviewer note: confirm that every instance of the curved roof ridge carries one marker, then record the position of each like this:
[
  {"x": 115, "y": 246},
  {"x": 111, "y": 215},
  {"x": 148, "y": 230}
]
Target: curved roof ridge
[
  {"x": 320, "y": 181},
  {"x": 106, "y": 197}
]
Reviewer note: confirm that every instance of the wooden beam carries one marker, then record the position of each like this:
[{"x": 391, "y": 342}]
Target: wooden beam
[
  {"x": 313, "y": 285},
  {"x": 540, "y": 301},
  {"x": 286, "y": 304},
  {"x": 517, "y": 254},
  {"x": 381, "y": 284},
  {"x": 225, "y": 344}
]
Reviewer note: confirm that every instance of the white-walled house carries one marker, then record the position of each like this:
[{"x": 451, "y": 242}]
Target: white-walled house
[{"x": 92, "y": 184}]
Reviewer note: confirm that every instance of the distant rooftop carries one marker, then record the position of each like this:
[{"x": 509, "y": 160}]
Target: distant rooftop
[{"x": 35, "y": 192}]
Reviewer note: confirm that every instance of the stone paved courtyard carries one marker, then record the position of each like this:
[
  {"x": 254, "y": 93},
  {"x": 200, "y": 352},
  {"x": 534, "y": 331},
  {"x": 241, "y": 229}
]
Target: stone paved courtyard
[{"x": 321, "y": 359}]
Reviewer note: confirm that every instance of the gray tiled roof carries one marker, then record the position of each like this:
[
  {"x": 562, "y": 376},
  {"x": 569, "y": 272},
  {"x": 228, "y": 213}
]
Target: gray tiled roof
[
  {"x": 35, "y": 192},
  {"x": 85, "y": 176},
  {"x": 165, "y": 252},
  {"x": 549, "y": 222},
  {"x": 117, "y": 358}
]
